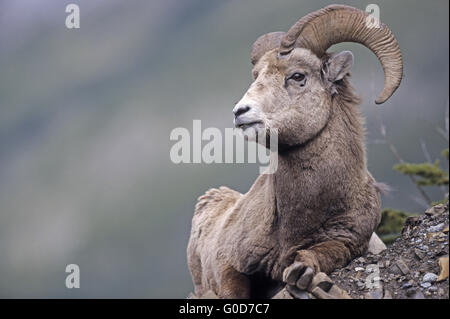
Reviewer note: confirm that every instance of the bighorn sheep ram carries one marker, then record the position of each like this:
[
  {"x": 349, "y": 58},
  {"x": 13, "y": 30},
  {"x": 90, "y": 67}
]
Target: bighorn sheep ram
[{"x": 319, "y": 209}]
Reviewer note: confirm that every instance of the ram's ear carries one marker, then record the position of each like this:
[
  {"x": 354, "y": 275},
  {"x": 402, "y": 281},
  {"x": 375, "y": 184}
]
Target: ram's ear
[{"x": 338, "y": 66}]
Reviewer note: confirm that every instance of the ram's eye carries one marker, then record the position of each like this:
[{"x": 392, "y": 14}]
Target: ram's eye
[{"x": 298, "y": 77}]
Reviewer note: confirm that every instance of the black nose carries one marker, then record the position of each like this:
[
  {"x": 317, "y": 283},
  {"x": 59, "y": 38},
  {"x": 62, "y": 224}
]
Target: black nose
[{"x": 241, "y": 110}]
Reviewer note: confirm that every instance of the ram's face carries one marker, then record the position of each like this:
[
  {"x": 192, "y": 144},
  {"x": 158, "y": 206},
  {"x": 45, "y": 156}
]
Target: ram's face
[{"x": 288, "y": 94}]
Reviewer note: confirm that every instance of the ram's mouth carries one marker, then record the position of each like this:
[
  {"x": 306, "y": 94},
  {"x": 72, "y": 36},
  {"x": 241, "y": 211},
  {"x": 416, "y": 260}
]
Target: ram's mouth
[{"x": 245, "y": 125}]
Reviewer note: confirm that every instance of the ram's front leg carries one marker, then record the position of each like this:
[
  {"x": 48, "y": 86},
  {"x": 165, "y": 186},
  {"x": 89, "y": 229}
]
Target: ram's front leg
[
  {"x": 233, "y": 284},
  {"x": 322, "y": 257},
  {"x": 340, "y": 240}
]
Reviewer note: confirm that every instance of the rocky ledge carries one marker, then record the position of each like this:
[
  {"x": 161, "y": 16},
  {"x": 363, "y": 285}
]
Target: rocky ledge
[{"x": 415, "y": 266}]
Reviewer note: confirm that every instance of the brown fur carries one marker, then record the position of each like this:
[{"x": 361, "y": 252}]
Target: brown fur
[{"x": 320, "y": 207}]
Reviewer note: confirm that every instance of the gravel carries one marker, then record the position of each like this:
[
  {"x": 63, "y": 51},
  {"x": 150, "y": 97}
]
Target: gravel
[{"x": 408, "y": 268}]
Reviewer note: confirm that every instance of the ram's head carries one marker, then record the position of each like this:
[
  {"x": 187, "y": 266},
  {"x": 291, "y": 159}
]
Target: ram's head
[{"x": 296, "y": 81}]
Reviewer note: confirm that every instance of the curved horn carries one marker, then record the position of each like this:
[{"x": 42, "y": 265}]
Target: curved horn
[
  {"x": 265, "y": 43},
  {"x": 321, "y": 29}
]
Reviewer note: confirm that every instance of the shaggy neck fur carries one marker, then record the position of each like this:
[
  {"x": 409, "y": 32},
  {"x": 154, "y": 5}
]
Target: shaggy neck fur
[{"x": 317, "y": 169}]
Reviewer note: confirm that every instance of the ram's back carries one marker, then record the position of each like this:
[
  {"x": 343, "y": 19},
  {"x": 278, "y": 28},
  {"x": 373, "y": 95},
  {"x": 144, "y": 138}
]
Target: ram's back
[{"x": 210, "y": 211}]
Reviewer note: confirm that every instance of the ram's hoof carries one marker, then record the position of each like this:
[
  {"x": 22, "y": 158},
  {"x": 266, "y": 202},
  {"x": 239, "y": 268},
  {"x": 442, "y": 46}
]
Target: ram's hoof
[
  {"x": 322, "y": 287},
  {"x": 298, "y": 275}
]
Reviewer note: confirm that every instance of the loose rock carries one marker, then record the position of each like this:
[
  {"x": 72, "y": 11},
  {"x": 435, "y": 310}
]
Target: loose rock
[
  {"x": 429, "y": 277},
  {"x": 425, "y": 285},
  {"x": 437, "y": 228},
  {"x": 402, "y": 267}
]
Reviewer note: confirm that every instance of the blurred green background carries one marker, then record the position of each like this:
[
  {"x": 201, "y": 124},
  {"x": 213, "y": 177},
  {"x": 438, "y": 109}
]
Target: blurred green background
[{"x": 85, "y": 118}]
